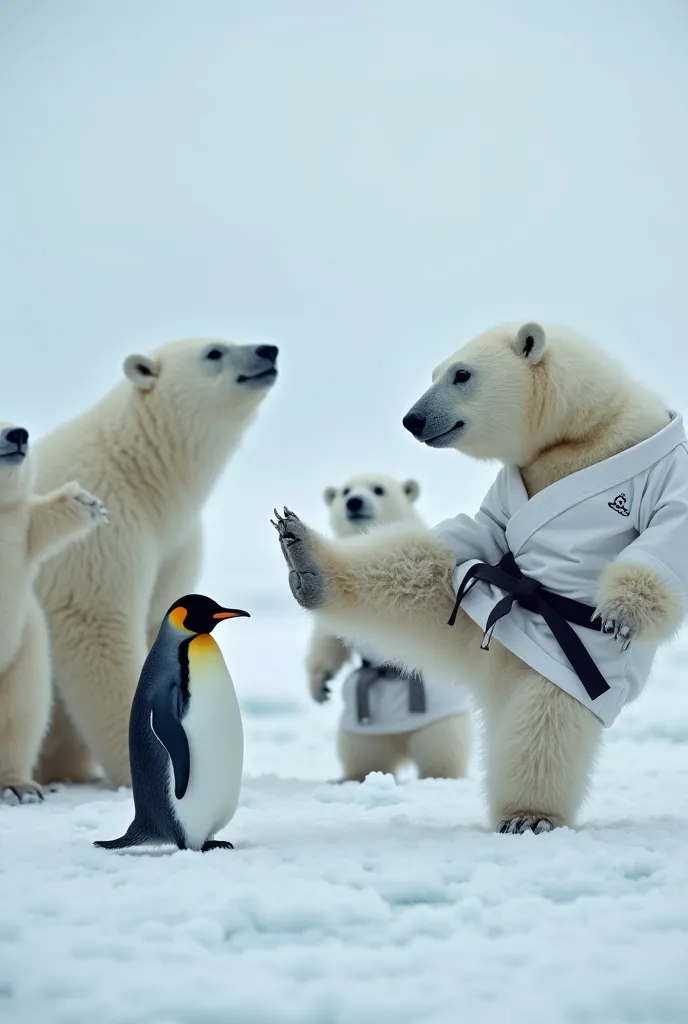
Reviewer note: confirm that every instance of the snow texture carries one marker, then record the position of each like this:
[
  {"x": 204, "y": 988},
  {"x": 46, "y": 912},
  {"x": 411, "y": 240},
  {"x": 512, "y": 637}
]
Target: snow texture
[{"x": 382, "y": 903}]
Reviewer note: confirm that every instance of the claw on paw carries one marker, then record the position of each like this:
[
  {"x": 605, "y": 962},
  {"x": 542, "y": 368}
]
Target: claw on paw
[
  {"x": 621, "y": 630},
  {"x": 281, "y": 518},
  {"x": 306, "y": 578},
  {"x": 525, "y": 823},
  {"x": 21, "y": 793},
  {"x": 624, "y": 636}
]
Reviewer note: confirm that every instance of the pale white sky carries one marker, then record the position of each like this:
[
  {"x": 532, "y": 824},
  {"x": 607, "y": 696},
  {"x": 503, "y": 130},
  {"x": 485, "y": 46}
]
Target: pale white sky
[{"x": 365, "y": 184}]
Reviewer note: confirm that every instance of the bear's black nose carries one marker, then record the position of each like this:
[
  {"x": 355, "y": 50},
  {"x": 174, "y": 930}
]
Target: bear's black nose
[
  {"x": 414, "y": 422},
  {"x": 18, "y": 436},
  {"x": 268, "y": 352},
  {"x": 354, "y": 504}
]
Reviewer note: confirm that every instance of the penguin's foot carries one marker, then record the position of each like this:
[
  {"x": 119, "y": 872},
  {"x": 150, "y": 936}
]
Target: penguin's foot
[
  {"x": 306, "y": 578},
  {"x": 16, "y": 793},
  {"x": 216, "y": 844}
]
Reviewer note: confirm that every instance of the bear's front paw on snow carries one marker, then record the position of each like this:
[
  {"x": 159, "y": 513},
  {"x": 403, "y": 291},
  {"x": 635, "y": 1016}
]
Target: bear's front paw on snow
[
  {"x": 306, "y": 578},
  {"x": 88, "y": 503}
]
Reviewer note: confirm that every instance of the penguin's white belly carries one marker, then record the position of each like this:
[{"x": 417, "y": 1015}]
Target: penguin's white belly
[{"x": 216, "y": 746}]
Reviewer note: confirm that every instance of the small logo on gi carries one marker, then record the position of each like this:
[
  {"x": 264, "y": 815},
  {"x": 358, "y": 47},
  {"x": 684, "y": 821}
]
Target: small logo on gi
[{"x": 619, "y": 505}]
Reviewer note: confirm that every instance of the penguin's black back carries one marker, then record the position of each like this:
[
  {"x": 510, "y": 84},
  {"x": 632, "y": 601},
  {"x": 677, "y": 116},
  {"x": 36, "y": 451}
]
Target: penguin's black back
[{"x": 165, "y": 668}]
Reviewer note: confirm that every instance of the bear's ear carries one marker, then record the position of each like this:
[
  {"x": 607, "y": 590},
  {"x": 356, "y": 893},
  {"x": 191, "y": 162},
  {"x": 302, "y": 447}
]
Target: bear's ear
[
  {"x": 411, "y": 489},
  {"x": 329, "y": 494},
  {"x": 142, "y": 371},
  {"x": 530, "y": 342}
]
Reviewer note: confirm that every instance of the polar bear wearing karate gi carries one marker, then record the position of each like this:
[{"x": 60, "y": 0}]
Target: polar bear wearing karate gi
[{"x": 551, "y": 601}]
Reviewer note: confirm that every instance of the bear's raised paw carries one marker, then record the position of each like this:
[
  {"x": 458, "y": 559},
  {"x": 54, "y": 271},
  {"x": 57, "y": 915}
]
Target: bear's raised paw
[
  {"x": 87, "y": 502},
  {"x": 306, "y": 578}
]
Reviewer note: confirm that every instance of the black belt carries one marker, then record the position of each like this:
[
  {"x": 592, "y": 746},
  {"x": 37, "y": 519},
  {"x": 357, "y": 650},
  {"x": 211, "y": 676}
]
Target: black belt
[
  {"x": 557, "y": 612},
  {"x": 369, "y": 674}
]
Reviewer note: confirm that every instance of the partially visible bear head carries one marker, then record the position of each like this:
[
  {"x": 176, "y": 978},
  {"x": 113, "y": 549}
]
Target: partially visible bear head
[
  {"x": 513, "y": 391},
  {"x": 204, "y": 379},
  {"x": 368, "y": 500},
  {"x": 15, "y": 472}
]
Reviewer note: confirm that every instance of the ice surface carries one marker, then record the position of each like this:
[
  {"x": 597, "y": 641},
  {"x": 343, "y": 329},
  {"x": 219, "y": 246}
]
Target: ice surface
[{"x": 376, "y": 904}]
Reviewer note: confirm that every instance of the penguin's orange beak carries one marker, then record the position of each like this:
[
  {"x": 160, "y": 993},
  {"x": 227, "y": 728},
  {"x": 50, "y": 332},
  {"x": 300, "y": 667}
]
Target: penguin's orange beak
[{"x": 231, "y": 613}]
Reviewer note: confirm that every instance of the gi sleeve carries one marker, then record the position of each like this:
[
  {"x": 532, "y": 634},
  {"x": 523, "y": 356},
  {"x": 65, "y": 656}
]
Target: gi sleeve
[
  {"x": 481, "y": 536},
  {"x": 662, "y": 543}
]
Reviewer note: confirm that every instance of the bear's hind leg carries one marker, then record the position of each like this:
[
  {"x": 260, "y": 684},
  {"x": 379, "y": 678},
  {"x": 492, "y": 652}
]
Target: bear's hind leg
[
  {"x": 360, "y": 755},
  {"x": 25, "y": 694},
  {"x": 540, "y": 749},
  {"x": 65, "y": 756},
  {"x": 98, "y": 656},
  {"x": 441, "y": 750}
]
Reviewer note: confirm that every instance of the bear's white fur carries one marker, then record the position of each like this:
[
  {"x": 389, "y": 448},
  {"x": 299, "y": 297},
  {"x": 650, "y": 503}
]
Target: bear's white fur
[
  {"x": 153, "y": 448},
  {"x": 440, "y": 749},
  {"x": 32, "y": 530},
  {"x": 551, "y": 404}
]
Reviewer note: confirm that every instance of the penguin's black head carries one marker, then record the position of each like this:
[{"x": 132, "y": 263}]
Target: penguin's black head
[{"x": 198, "y": 614}]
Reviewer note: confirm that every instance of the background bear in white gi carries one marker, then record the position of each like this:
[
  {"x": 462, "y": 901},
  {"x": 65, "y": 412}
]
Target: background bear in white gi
[
  {"x": 153, "y": 449},
  {"x": 32, "y": 530},
  {"x": 437, "y": 741},
  {"x": 549, "y": 405}
]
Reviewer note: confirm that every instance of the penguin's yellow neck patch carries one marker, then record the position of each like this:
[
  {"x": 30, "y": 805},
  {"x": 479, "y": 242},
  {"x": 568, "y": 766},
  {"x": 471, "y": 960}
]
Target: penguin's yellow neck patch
[
  {"x": 204, "y": 652},
  {"x": 177, "y": 617}
]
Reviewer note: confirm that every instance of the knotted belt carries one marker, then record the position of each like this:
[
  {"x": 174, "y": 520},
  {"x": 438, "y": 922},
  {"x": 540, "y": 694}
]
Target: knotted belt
[
  {"x": 369, "y": 674},
  {"x": 558, "y": 612}
]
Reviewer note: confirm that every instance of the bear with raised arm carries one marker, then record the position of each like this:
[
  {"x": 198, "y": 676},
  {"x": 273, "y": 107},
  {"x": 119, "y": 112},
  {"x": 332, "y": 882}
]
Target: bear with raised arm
[
  {"x": 153, "y": 449},
  {"x": 561, "y": 587},
  {"x": 32, "y": 530},
  {"x": 389, "y": 718}
]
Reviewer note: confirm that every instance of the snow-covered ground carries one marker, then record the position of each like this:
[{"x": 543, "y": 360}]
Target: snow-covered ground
[{"x": 358, "y": 904}]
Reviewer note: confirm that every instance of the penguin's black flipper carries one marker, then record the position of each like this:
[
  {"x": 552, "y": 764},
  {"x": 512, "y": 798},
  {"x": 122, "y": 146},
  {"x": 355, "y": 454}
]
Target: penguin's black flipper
[{"x": 170, "y": 731}]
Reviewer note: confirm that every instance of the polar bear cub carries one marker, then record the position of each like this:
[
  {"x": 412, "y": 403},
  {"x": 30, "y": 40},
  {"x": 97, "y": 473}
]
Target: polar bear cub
[
  {"x": 32, "y": 530},
  {"x": 552, "y": 600},
  {"x": 388, "y": 728}
]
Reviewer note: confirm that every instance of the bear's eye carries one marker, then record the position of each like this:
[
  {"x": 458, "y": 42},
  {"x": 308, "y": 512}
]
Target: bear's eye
[
  {"x": 215, "y": 353},
  {"x": 378, "y": 490},
  {"x": 347, "y": 490},
  {"x": 461, "y": 376}
]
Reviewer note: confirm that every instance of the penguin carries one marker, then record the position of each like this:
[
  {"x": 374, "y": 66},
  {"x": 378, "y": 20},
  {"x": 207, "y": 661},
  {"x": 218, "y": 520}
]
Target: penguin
[{"x": 186, "y": 741}]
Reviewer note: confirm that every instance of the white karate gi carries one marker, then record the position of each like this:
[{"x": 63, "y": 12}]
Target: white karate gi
[
  {"x": 389, "y": 704},
  {"x": 631, "y": 508}
]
